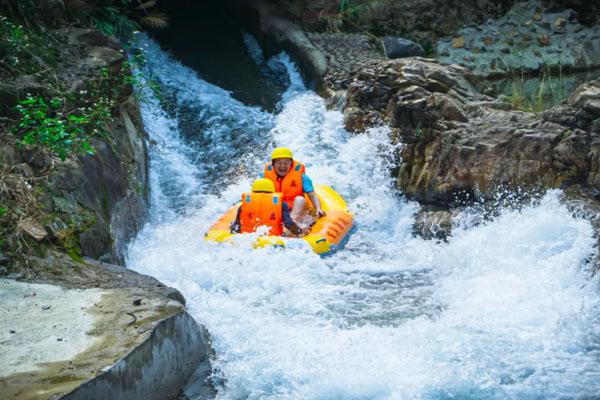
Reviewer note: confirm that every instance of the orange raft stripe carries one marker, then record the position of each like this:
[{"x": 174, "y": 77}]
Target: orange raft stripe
[{"x": 334, "y": 226}]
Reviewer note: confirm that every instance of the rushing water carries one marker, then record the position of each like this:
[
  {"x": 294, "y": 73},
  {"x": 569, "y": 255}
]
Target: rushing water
[{"x": 504, "y": 309}]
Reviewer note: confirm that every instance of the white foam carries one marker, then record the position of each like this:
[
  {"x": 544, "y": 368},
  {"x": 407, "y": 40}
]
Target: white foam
[{"x": 505, "y": 309}]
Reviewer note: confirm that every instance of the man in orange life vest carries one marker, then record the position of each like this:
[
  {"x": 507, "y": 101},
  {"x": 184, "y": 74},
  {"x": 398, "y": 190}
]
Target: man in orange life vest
[
  {"x": 289, "y": 178},
  {"x": 263, "y": 207}
]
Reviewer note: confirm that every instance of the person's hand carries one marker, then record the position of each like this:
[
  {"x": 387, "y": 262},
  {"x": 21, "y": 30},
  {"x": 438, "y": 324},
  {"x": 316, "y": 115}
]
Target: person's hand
[{"x": 320, "y": 213}]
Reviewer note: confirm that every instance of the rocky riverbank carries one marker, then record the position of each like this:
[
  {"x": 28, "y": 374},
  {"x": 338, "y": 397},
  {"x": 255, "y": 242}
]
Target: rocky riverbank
[{"x": 73, "y": 192}]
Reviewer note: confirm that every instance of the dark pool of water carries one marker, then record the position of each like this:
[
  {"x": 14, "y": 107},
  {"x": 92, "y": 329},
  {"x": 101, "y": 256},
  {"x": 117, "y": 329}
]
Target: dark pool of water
[{"x": 207, "y": 37}]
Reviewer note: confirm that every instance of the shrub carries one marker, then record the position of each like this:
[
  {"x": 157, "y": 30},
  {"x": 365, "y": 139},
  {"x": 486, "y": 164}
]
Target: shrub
[{"x": 48, "y": 124}]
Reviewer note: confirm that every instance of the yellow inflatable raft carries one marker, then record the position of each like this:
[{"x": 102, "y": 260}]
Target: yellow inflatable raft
[{"x": 328, "y": 234}]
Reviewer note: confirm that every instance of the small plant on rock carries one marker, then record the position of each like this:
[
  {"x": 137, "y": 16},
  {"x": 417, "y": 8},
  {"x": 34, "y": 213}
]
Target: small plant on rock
[
  {"x": 546, "y": 92},
  {"x": 48, "y": 124}
]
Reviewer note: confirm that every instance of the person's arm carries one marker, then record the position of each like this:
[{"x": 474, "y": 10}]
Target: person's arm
[
  {"x": 315, "y": 200},
  {"x": 288, "y": 222},
  {"x": 235, "y": 225},
  {"x": 308, "y": 188}
]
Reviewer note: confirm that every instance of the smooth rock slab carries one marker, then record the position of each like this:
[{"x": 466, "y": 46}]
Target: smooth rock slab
[
  {"x": 98, "y": 331},
  {"x": 43, "y": 324}
]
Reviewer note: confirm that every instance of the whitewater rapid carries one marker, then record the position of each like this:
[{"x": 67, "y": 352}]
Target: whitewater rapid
[{"x": 507, "y": 308}]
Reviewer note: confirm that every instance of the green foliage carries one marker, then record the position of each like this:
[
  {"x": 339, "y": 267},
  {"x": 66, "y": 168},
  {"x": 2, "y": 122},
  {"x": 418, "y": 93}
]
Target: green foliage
[
  {"x": 113, "y": 22},
  {"x": 349, "y": 8},
  {"x": 64, "y": 124},
  {"x": 535, "y": 95},
  {"x": 344, "y": 5},
  {"x": 3, "y": 211},
  {"x": 136, "y": 62},
  {"x": 45, "y": 124},
  {"x": 419, "y": 132},
  {"x": 24, "y": 51}
]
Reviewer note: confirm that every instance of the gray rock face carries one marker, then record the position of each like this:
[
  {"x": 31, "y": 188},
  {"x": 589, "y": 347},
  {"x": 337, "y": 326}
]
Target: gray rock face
[
  {"x": 397, "y": 47},
  {"x": 100, "y": 201},
  {"x": 457, "y": 141},
  {"x": 526, "y": 39},
  {"x": 157, "y": 368},
  {"x": 291, "y": 37},
  {"x": 131, "y": 335}
]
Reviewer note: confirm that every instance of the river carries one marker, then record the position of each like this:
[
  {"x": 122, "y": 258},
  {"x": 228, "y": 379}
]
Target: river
[{"x": 505, "y": 309}]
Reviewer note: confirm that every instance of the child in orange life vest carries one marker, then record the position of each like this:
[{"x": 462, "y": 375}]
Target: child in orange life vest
[
  {"x": 263, "y": 207},
  {"x": 289, "y": 178}
]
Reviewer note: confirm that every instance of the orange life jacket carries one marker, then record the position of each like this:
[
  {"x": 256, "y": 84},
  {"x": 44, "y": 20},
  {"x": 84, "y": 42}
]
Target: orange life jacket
[
  {"x": 290, "y": 185},
  {"x": 261, "y": 209}
]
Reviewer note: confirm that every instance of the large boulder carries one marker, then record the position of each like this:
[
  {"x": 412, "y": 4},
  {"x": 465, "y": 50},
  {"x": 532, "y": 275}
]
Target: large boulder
[
  {"x": 458, "y": 142},
  {"x": 397, "y": 47},
  {"x": 292, "y": 38},
  {"x": 95, "y": 328}
]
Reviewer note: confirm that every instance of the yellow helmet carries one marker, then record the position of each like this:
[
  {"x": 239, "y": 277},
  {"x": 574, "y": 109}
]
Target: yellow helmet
[
  {"x": 263, "y": 185},
  {"x": 281, "y": 152}
]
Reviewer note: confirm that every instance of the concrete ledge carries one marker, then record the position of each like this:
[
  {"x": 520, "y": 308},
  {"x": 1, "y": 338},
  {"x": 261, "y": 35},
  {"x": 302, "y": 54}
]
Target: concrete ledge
[
  {"x": 90, "y": 330},
  {"x": 157, "y": 368}
]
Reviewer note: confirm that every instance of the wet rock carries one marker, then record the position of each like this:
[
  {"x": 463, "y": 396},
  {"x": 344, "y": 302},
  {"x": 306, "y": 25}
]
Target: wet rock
[
  {"x": 176, "y": 295},
  {"x": 396, "y": 47},
  {"x": 433, "y": 224},
  {"x": 447, "y": 108},
  {"x": 93, "y": 37},
  {"x": 457, "y": 140},
  {"x": 560, "y": 24},
  {"x": 96, "y": 241},
  {"x": 543, "y": 40},
  {"x": 587, "y": 97},
  {"x": 293, "y": 38},
  {"x": 346, "y": 53},
  {"x": 16, "y": 275}
]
